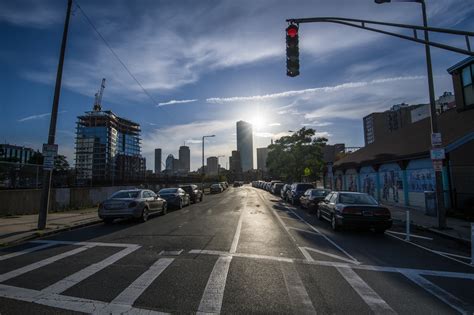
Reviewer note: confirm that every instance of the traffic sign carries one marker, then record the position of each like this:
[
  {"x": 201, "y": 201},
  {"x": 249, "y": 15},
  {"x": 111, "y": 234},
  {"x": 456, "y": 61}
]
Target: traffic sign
[
  {"x": 436, "y": 140},
  {"x": 438, "y": 154},
  {"x": 49, "y": 153}
]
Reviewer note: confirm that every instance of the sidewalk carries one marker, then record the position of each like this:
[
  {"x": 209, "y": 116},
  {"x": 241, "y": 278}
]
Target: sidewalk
[
  {"x": 457, "y": 229},
  {"x": 14, "y": 229}
]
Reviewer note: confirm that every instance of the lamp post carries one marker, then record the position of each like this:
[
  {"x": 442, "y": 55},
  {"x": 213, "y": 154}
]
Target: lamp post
[
  {"x": 203, "y": 137},
  {"x": 434, "y": 118}
]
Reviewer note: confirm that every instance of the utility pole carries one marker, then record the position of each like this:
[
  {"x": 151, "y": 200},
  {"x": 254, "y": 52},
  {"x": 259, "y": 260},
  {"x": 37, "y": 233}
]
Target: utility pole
[{"x": 47, "y": 173}]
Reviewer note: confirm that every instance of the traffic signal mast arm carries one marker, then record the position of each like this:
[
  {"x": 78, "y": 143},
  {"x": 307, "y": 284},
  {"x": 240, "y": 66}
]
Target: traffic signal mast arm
[{"x": 362, "y": 24}]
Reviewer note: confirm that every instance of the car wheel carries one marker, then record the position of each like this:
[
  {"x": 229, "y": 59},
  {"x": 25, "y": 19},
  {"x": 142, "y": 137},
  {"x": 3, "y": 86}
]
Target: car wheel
[
  {"x": 180, "y": 206},
  {"x": 334, "y": 225},
  {"x": 145, "y": 215},
  {"x": 108, "y": 221},
  {"x": 318, "y": 215},
  {"x": 164, "y": 209}
]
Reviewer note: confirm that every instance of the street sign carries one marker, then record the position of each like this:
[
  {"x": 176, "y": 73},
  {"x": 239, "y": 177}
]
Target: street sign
[
  {"x": 438, "y": 154},
  {"x": 438, "y": 165},
  {"x": 436, "y": 139},
  {"x": 49, "y": 153}
]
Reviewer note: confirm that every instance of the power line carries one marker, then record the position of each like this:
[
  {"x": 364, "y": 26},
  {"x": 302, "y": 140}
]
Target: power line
[{"x": 117, "y": 57}]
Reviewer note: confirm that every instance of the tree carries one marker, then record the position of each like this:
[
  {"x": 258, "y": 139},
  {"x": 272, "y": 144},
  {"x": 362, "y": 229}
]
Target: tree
[
  {"x": 36, "y": 158},
  {"x": 297, "y": 155},
  {"x": 60, "y": 163}
]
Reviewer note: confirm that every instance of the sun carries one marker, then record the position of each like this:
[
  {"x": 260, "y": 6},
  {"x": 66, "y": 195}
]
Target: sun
[{"x": 258, "y": 121}]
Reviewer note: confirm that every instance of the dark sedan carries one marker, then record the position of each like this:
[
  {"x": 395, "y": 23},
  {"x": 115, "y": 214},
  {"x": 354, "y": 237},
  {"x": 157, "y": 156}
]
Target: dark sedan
[
  {"x": 194, "y": 192},
  {"x": 296, "y": 191},
  {"x": 176, "y": 197},
  {"x": 312, "y": 197},
  {"x": 352, "y": 209}
]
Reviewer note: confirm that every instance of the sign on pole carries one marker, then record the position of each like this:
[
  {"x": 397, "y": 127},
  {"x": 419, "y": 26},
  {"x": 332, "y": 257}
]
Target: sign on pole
[
  {"x": 438, "y": 165},
  {"x": 49, "y": 153},
  {"x": 436, "y": 139},
  {"x": 438, "y": 154}
]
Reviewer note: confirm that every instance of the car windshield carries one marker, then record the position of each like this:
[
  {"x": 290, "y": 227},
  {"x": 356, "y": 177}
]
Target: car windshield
[
  {"x": 168, "y": 191},
  {"x": 187, "y": 188},
  {"x": 319, "y": 193},
  {"x": 357, "y": 199},
  {"x": 304, "y": 187},
  {"x": 126, "y": 194}
]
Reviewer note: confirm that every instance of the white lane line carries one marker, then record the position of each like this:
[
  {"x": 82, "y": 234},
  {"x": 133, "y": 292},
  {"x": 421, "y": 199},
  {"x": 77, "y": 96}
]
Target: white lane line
[
  {"x": 85, "y": 273},
  {"x": 438, "y": 273},
  {"x": 331, "y": 255},
  {"x": 83, "y": 243},
  {"x": 41, "y": 263},
  {"x": 325, "y": 237},
  {"x": 235, "y": 240},
  {"x": 411, "y": 235},
  {"x": 211, "y": 301},
  {"x": 448, "y": 256},
  {"x": 370, "y": 297},
  {"x": 299, "y": 298},
  {"x": 64, "y": 302},
  {"x": 453, "y": 255},
  {"x": 441, "y": 294},
  {"x": 306, "y": 254},
  {"x": 25, "y": 251},
  {"x": 134, "y": 290},
  {"x": 304, "y": 231}
]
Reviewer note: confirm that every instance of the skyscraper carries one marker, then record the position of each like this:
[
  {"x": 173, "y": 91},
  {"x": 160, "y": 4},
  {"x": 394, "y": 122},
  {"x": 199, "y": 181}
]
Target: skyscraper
[
  {"x": 262, "y": 154},
  {"x": 212, "y": 165},
  {"x": 157, "y": 161},
  {"x": 184, "y": 159},
  {"x": 170, "y": 161},
  {"x": 245, "y": 144}
]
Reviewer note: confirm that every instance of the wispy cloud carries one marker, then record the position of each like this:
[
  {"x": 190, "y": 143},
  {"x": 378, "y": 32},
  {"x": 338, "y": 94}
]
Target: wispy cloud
[
  {"x": 37, "y": 116},
  {"x": 274, "y": 124},
  {"x": 172, "y": 102},
  {"x": 326, "y": 89}
]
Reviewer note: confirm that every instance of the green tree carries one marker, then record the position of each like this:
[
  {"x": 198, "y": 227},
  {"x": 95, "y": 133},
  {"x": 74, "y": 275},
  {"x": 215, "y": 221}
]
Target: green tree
[
  {"x": 60, "y": 163},
  {"x": 290, "y": 156}
]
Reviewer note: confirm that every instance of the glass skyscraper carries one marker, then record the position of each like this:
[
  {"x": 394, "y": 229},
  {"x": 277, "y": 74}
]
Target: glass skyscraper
[{"x": 245, "y": 144}]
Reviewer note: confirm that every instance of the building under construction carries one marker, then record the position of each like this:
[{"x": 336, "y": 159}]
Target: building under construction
[{"x": 107, "y": 146}]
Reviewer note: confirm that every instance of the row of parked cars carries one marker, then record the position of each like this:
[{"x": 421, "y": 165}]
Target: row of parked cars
[
  {"x": 218, "y": 187},
  {"x": 142, "y": 203},
  {"x": 340, "y": 208}
]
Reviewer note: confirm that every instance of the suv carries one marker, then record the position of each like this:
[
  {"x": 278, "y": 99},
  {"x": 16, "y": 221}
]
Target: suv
[
  {"x": 195, "y": 194},
  {"x": 297, "y": 190}
]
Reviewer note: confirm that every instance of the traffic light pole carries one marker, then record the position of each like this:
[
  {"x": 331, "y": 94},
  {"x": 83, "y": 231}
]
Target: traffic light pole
[{"x": 47, "y": 174}]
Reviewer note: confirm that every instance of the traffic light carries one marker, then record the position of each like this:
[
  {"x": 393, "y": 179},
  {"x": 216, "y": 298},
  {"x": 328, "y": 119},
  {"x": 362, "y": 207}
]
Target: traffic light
[{"x": 292, "y": 51}]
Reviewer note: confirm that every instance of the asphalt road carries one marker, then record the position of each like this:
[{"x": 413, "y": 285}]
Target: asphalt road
[{"x": 241, "y": 251}]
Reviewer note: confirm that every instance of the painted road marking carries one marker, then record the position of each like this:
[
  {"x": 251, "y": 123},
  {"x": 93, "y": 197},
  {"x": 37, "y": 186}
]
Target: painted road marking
[
  {"x": 441, "y": 294},
  {"x": 211, "y": 301},
  {"x": 65, "y": 302},
  {"x": 235, "y": 240},
  {"x": 370, "y": 297},
  {"x": 170, "y": 252},
  {"x": 411, "y": 235},
  {"x": 83, "y": 243},
  {"x": 85, "y": 273},
  {"x": 305, "y": 231},
  {"x": 25, "y": 251},
  {"x": 299, "y": 298},
  {"x": 41, "y": 263},
  {"x": 133, "y": 291},
  {"x": 329, "y": 254}
]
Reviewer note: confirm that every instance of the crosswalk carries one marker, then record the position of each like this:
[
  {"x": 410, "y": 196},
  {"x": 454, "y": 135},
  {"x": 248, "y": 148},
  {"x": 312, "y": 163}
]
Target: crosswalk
[{"x": 227, "y": 278}]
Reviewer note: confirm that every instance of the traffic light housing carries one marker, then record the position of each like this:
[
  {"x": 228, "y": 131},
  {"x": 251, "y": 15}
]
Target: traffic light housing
[{"x": 292, "y": 51}]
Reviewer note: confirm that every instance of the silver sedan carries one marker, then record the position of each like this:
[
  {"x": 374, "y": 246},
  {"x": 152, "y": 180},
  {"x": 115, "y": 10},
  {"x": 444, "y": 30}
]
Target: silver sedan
[{"x": 134, "y": 204}]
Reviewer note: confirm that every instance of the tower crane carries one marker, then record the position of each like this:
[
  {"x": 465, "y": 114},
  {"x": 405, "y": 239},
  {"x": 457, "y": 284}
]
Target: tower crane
[{"x": 98, "y": 97}]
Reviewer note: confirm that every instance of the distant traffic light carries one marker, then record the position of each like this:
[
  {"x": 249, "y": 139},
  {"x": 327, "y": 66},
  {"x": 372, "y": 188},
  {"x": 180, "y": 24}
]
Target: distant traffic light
[{"x": 292, "y": 51}]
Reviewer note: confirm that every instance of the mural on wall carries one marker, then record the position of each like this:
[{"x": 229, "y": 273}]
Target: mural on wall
[
  {"x": 368, "y": 184},
  {"x": 391, "y": 182},
  {"x": 421, "y": 180},
  {"x": 338, "y": 182},
  {"x": 351, "y": 182}
]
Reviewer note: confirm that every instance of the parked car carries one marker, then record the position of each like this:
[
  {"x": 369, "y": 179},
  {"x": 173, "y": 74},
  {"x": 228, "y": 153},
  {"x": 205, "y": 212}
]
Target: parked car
[
  {"x": 284, "y": 191},
  {"x": 296, "y": 191},
  {"x": 216, "y": 188},
  {"x": 312, "y": 197},
  {"x": 224, "y": 185},
  {"x": 136, "y": 203},
  {"x": 195, "y": 194},
  {"x": 238, "y": 183},
  {"x": 353, "y": 209},
  {"x": 276, "y": 188},
  {"x": 175, "y": 197}
]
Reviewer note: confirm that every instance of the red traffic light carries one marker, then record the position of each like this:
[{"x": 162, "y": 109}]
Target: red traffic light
[{"x": 292, "y": 30}]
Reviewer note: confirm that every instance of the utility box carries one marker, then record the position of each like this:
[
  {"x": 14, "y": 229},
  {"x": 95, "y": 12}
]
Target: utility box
[{"x": 431, "y": 207}]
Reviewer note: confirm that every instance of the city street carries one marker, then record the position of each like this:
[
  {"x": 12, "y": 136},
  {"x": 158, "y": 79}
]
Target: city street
[{"x": 241, "y": 251}]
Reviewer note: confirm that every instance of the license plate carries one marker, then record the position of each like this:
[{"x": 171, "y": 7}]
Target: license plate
[{"x": 367, "y": 213}]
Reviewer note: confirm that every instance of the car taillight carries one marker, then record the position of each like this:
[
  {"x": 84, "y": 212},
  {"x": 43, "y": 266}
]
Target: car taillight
[
  {"x": 349, "y": 210},
  {"x": 382, "y": 211},
  {"x": 132, "y": 204}
]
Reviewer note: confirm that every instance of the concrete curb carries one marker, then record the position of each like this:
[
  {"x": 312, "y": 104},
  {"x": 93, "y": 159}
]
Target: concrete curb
[{"x": 38, "y": 234}]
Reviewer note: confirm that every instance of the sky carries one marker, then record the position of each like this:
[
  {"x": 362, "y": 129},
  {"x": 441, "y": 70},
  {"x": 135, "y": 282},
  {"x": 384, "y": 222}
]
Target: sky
[{"x": 207, "y": 64}]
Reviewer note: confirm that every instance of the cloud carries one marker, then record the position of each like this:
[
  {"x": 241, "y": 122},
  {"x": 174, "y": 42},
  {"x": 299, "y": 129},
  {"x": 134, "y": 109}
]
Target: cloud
[
  {"x": 172, "y": 102},
  {"x": 274, "y": 124},
  {"x": 38, "y": 14},
  {"x": 294, "y": 93},
  {"x": 38, "y": 116}
]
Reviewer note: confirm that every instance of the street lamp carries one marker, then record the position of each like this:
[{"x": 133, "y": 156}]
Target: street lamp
[
  {"x": 211, "y": 136},
  {"x": 434, "y": 119}
]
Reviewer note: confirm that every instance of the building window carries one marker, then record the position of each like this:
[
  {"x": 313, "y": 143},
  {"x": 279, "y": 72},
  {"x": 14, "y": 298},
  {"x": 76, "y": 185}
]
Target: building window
[{"x": 467, "y": 86}]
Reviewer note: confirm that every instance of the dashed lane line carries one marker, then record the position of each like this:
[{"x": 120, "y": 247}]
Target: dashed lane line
[
  {"x": 85, "y": 273},
  {"x": 41, "y": 263},
  {"x": 370, "y": 297}
]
